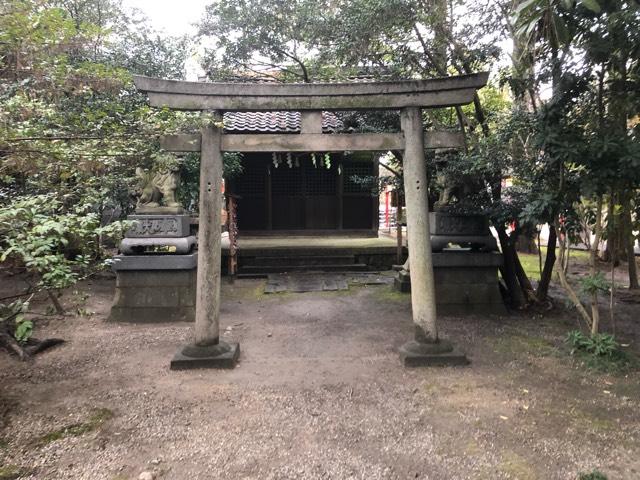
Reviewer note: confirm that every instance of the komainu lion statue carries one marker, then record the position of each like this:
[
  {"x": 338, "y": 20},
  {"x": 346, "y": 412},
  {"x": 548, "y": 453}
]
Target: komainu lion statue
[{"x": 157, "y": 188}]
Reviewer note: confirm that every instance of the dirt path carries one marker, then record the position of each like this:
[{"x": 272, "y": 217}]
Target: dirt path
[{"x": 319, "y": 393}]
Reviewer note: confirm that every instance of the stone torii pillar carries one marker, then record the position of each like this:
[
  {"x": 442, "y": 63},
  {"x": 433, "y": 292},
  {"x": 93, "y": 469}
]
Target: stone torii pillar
[
  {"x": 427, "y": 348},
  {"x": 208, "y": 350}
]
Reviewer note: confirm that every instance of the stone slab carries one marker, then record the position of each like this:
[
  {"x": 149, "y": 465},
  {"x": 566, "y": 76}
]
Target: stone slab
[
  {"x": 450, "y": 359},
  {"x": 155, "y": 262},
  {"x": 164, "y": 226},
  {"x": 224, "y": 360},
  {"x": 319, "y": 282},
  {"x": 300, "y": 283},
  {"x": 175, "y": 246}
]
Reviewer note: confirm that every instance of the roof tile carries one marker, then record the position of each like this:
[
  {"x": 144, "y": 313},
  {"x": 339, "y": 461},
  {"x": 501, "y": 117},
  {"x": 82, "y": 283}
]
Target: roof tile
[{"x": 274, "y": 122}]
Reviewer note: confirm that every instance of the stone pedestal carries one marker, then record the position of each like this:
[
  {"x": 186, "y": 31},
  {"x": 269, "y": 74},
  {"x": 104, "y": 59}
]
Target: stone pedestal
[
  {"x": 466, "y": 283},
  {"x": 219, "y": 355},
  {"x": 156, "y": 273},
  {"x": 154, "y": 288},
  {"x": 436, "y": 354}
]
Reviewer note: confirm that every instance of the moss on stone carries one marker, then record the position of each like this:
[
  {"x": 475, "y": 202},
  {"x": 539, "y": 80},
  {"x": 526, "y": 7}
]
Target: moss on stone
[{"x": 389, "y": 294}]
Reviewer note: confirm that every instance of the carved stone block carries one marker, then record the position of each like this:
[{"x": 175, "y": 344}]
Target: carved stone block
[
  {"x": 443, "y": 223},
  {"x": 164, "y": 226},
  {"x": 465, "y": 230}
]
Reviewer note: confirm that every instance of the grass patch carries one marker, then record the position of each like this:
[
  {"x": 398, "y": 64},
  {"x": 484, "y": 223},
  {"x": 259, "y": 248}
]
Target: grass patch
[
  {"x": 516, "y": 344},
  {"x": 4, "y": 444},
  {"x": 587, "y": 422},
  {"x": 95, "y": 421},
  {"x": 618, "y": 363},
  {"x": 10, "y": 472},
  {"x": 592, "y": 421},
  {"x": 531, "y": 264},
  {"x": 517, "y": 467}
]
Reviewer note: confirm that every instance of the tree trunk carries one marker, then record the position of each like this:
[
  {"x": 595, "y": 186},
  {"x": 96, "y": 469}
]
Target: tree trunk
[
  {"x": 629, "y": 241},
  {"x": 562, "y": 276},
  {"x": 606, "y": 253},
  {"x": 56, "y": 303},
  {"x": 509, "y": 269},
  {"x": 593, "y": 255},
  {"x": 523, "y": 280},
  {"x": 547, "y": 271}
]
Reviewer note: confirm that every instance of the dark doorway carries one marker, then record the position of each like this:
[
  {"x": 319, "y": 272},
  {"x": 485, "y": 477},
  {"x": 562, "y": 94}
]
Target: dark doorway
[{"x": 308, "y": 196}]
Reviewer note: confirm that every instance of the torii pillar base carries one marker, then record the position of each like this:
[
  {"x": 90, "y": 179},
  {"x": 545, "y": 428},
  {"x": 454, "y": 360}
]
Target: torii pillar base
[
  {"x": 220, "y": 355},
  {"x": 436, "y": 354}
]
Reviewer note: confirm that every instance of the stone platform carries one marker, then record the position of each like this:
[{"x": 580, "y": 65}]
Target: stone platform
[
  {"x": 466, "y": 283},
  {"x": 312, "y": 253},
  {"x": 154, "y": 288}
]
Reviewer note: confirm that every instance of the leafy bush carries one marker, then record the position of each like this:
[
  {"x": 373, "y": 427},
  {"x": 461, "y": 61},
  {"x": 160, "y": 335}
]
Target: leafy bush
[
  {"x": 12, "y": 320},
  {"x": 600, "y": 352},
  {"x": 601, "y": 344},
  {"x": 594, "y": 283},
  {"x": 55, "y": 242}
]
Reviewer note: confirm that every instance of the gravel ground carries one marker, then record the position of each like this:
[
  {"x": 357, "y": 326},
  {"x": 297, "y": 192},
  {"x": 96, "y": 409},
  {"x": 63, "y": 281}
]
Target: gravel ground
[{"x": 319, "y": 394}]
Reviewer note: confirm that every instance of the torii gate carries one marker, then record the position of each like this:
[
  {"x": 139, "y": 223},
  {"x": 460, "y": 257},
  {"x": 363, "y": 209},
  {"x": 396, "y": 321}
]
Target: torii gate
[{"x": 311, "y": 99}]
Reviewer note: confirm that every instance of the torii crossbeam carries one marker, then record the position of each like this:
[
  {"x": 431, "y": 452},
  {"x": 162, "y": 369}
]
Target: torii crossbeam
[{"x": 311, "y": 99}]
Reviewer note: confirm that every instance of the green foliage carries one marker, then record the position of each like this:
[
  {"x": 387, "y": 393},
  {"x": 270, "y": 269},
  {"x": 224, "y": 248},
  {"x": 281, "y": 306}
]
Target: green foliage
[
  {"x": 188, "y": 192},
  {"x": 591, "y": 284},
  {"x": 599, "y": 352},
  {"x": 72, "y": 132},
  {"x": 12, "y": 320},
  {"x": 601, "y": 344},
  {"x": 54, "y": 241},
  {"x": 71, "y": 123},
  {"x": 268, "y": 38},
  {"x": 594, "y": 475},
  {"x": 23, "y": 331},
  {"x": 303, "y": 40}
]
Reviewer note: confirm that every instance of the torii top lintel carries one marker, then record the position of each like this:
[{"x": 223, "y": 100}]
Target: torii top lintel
[{"x": 432, "y": 93}]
